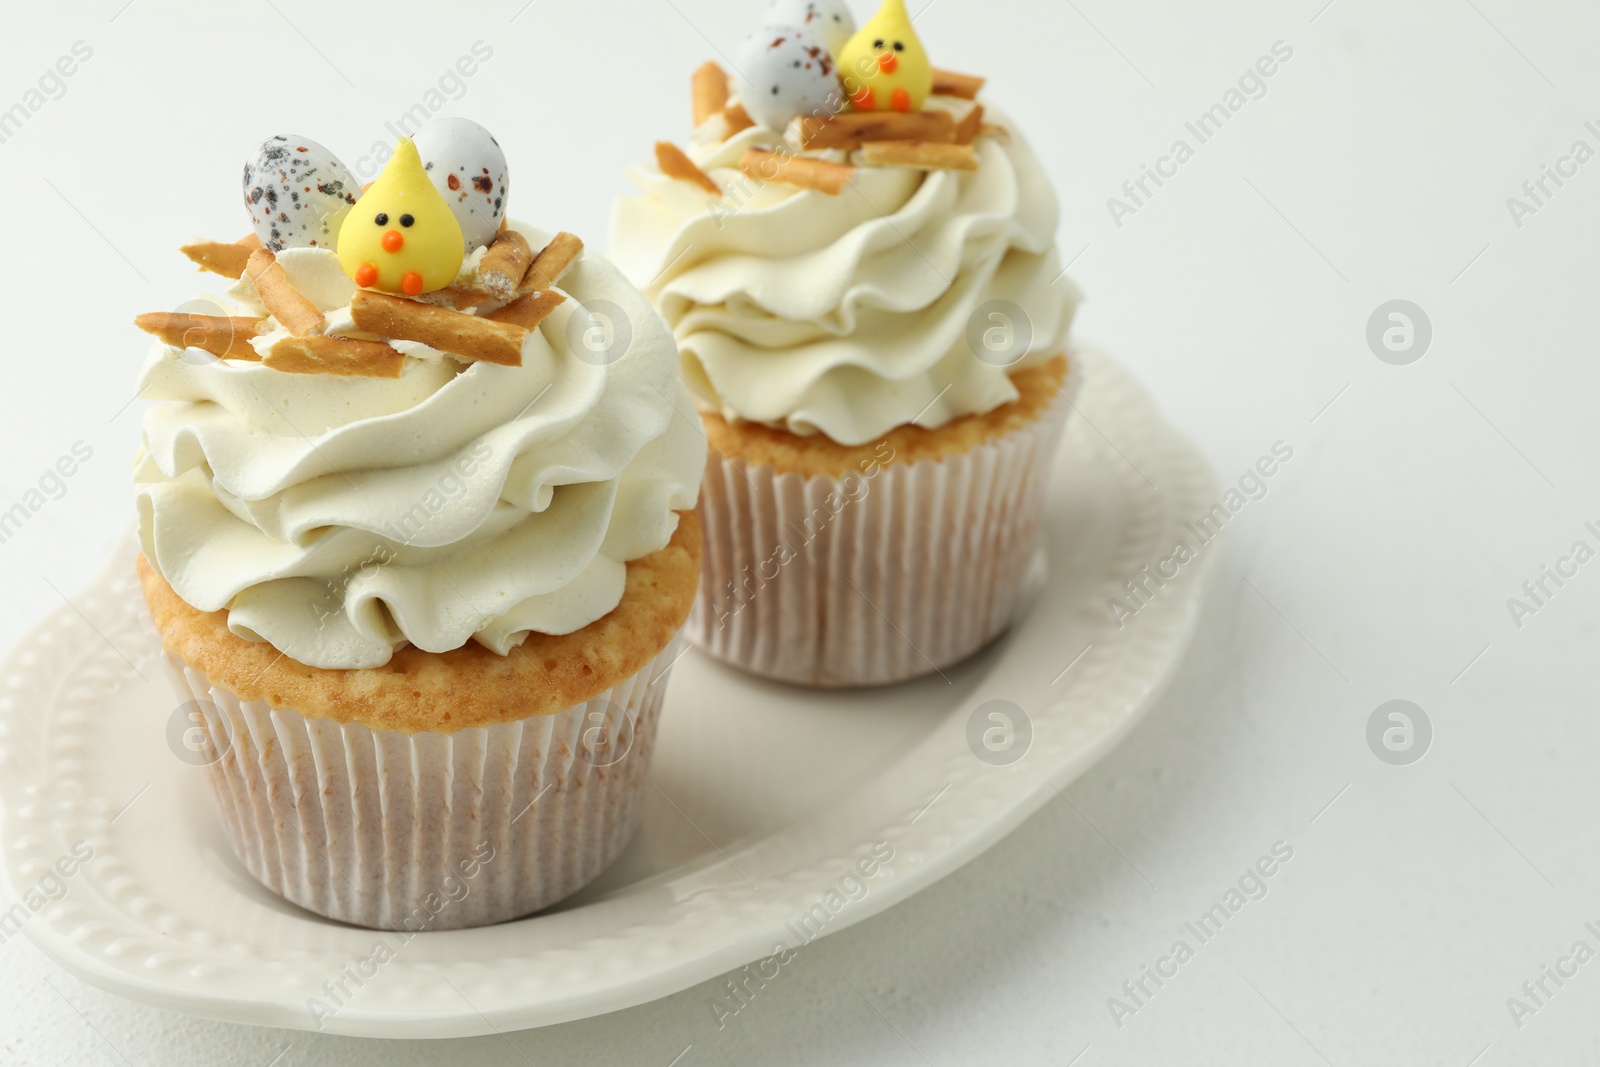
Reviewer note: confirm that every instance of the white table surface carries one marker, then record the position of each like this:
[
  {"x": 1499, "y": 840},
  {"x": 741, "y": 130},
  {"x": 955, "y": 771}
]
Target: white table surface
[{"x": 1377, "y": 166}]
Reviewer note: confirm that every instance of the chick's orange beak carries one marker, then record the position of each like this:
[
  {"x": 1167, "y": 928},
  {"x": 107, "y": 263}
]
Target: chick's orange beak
[
  {"x": 393, "y": 241},
  {"x": 888, "y": 62}
]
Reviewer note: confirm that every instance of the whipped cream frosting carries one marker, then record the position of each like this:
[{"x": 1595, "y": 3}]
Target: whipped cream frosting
[
  {"x": 849, "y": 315},
  {"x": 340, "y": 518}
]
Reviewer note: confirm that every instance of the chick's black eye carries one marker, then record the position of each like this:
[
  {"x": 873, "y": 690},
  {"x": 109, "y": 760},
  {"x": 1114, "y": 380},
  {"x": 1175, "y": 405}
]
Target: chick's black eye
[
  {"x": 382, "y": 219},
  {"x": 406, "y": 220},
  {"x": 899, "y": 46},
  {"x": 878, "y": 44}
]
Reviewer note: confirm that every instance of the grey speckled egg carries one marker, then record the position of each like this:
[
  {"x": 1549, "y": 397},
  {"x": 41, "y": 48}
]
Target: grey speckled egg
[
  {"x": 297, "y": 193},
  {"x": 469, "y": 170},
  {"x": 786, "y": 72},
  {"x": 829, "y": 21}
]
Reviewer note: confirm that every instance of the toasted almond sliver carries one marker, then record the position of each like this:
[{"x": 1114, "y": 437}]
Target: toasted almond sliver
[
  {"x": 737, "y": 118},
  {"x": 916, "y": 154},
  {"x": 674, "y": 164},
  {"x": 949, "y": 83},
  {"x": 505, "y": 264},
  {"x": 802, "y": 171},
  {"x": 851, "y": 129},
  {"x": 222, "y": 257},
  {"x": 709, "y": 91},
  {"x": 460, "y": 299},
  {"x": 466, "y": 336},
  {"x": 552, "y": 262},
  {"x": 223, "y": 337},
  {"x": 529, "y": 309},
  {"x": 286, "y": 303},
  {"x": 970, "y": 126},
  {"x": 345, "y": 356}
]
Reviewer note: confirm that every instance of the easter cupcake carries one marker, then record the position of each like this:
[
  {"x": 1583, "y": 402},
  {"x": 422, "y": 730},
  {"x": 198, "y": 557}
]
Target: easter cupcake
[
  {"x": 856, "y": 253},
  {"x": 415, "y": 511}
]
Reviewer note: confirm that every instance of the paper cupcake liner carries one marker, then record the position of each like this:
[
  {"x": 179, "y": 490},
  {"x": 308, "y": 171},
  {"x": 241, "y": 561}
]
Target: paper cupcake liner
[
  {"x": 873, "y": 577},
  {"x": 429, "y": 831}
]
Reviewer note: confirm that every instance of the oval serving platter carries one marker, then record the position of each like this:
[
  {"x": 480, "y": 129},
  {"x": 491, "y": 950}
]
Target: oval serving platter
[{"x": 775, "y": 814}]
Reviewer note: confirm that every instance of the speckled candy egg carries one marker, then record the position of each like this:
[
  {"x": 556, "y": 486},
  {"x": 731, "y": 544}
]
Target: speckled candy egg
[
  {"x": 298, "y": 193},
  {"x": 786, "y": 72},
  {"x": 829, "y": 21},
  {"x": 469, "y": 170}
]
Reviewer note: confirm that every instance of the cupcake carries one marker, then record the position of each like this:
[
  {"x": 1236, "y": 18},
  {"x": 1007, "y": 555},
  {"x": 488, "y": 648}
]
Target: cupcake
[
  {"x": 856, "y": 254},
  {"x": 415, "y": 511}
]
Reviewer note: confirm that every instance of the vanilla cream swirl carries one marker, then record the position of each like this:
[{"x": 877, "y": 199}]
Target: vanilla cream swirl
[
  {"x": 851, "y": 315},
  {"x": 340, "y": 518}
]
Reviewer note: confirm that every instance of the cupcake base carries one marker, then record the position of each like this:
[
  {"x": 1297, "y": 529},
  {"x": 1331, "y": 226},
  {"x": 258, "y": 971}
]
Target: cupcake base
[
  {"x": 429, "y": 831},
  {"x": 441, "y": 790},
  {"x": 834, "y": 566}
]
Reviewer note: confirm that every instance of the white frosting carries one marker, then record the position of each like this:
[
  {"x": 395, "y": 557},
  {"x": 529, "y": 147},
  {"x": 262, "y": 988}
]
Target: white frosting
[
  {"x": 339, "y": 518},
  {"x": 848, "y": 315}
]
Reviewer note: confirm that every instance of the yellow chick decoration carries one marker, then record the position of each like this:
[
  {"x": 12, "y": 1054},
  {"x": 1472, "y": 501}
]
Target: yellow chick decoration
[
  {"x": 401, "y": 236},
  {"x": 884, "y": 65}
]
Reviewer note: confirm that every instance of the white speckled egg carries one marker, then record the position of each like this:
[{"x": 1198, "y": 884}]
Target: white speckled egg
[
  {"x": 829, "y": 21},
  {"x": 469, "y": 170},
  {"x": 786, "y": 72},
  {"x": 297, "y": 193}
]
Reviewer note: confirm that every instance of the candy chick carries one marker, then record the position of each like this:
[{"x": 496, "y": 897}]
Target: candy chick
[
  {"x": 401, "y": 236},
  {"x": 884, "y": 65}
]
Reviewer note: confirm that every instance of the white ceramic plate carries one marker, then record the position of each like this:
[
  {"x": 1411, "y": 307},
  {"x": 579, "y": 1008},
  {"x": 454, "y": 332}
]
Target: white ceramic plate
[{"x": 765, "y": 798}]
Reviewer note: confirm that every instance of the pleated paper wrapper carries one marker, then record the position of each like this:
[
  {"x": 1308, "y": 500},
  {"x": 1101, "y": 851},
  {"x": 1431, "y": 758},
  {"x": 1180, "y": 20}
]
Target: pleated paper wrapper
[
  {"x": 429, "y": 831},
  {"x": 871, "y": 578}
]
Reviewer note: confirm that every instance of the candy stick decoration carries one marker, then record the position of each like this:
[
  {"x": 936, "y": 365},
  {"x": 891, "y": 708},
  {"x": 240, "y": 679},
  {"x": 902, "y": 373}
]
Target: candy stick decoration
[
  {"x": 675, "y": 164},
  {"x": 529, "y": 309},
  {"x": 802, "y": 171},
  {"x": 709, "y": 91},
  {"x": 544, "y": 271},
  {"x": 464, "y": 336},
  {"x": 552, "y": 262},
  {"x": 460, "y": 299},
  {"x": 949, "y": 83},
  {"x": 919, "y": 155},
  {"x": 505, "y": 264},
  {"x": 970, "y": 126},
  {"x": 854, "y": 128},
  {"x": 292, "y": 310},
  {"x": 220, "y": 257},
  {"x": 345, "y": 356},
  {"x": 737, "y": 118},
  {"x": 222, "y": 336}
]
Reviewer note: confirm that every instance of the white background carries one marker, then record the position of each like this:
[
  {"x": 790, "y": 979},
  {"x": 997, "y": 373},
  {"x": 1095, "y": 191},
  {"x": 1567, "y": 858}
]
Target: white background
[{"x": 1377, "y": 166}]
